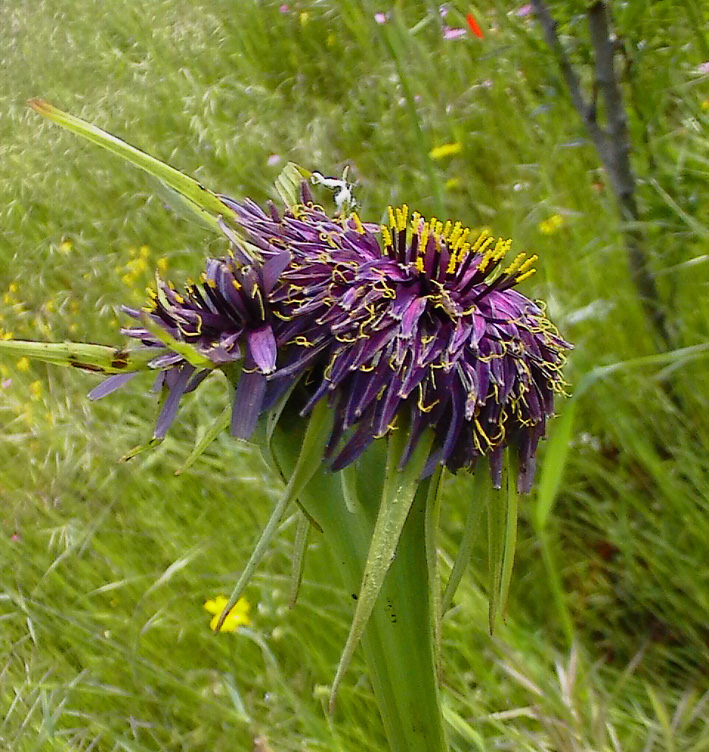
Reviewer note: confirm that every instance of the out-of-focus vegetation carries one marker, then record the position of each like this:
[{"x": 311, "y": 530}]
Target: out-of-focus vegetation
[{"x": 104, "y": 567}]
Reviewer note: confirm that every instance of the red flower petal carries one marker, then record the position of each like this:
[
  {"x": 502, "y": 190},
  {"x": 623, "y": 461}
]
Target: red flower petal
[{"x": 473, "y": 24}]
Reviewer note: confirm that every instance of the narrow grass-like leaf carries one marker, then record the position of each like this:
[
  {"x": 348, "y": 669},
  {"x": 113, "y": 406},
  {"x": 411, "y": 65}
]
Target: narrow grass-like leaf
[
  {"x": 552, "y": 470},
  {"x": 309, "y": 461},
  {"x": 151, "y": 444},
  {"x": 300, "y": 546},
  {"x": 397, "y": 496},
  {"x": 478, "y": 502},
  {"x": 217, "y": 426},
  {"x": 288, "y": 183},
  {"x": 184, "y": 349},
  {"x": 206, "y": 204},
  {"x": 82, "y": 355},
  {"x": 502, "y": 538},
  {"x": 433, "y": 506}
]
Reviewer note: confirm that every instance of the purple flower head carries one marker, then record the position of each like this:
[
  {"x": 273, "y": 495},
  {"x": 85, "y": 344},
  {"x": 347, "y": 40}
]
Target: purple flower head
[
  {"x": 220, "y": 322},
  {"x": 411, "y": 326}
]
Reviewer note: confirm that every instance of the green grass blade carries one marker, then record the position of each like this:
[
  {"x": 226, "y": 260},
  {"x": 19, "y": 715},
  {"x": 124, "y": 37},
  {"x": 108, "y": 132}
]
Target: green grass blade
[
  {"x": 300, "y": 547},
  {"x": 309, "y": 461},
  {"x": 82, "y": 355},
  {"x": 478, "y": 501},
  {"x": 433, "y": 508},
  {"x": 206, "y": 204},
  {"x": 552, "y": 470},
  {"x": 397, "y": 496},
  {"x": 210, "y": 435},
  {"x": 502, "y": 538}
]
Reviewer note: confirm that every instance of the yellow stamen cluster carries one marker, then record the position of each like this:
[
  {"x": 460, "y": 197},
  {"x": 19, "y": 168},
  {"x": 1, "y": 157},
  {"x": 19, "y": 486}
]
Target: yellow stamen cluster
[
  {"x": 520, "y": 267},
  {"x": 455, "y": 237}
]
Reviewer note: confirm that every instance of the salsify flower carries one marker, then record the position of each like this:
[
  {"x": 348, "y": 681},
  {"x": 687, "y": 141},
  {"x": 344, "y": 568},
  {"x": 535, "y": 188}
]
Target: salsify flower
[
  {"x": 418, "y": 319},
  {"x": 412, "y": 325},
  {"x": 223, "y": 320}
]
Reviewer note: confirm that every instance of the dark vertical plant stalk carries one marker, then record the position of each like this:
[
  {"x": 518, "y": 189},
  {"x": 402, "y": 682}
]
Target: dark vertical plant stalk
[{"x": 613, "y": 146}]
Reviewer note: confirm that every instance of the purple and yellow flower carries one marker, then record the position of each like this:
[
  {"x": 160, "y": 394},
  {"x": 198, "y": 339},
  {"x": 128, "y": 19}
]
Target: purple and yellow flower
[
  {"x": 413, "y": 326},
  {"x": 225, "y": 322}
]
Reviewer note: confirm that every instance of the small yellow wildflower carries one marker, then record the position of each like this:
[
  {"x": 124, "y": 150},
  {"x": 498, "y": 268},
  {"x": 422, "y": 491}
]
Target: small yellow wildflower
[
  {"x": 36, "y": 389},
  {"x": 445, "y": 150},
  {"x": 237, "y": 617},
  {"x": 705, "y": 104},
  {"x": 452, "y": 184},
  {"x": 551, "y": 225},
  {"x": 65, "y": 246},
  {"x": 23, "y": 364},
  {"x": 13, "y": 288},
  {"x": 304, "y": 18},
  {"x": 162, "y": 264}
]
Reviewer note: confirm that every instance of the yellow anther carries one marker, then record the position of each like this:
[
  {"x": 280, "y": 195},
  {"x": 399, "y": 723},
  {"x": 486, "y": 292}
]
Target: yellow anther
[
  {"x": 415, "y": 221},
  {"x": 526, "y": 275},
  {"x": 419, "y": 263},
  {"x": 401, "y": 217},
  {"x": 516, "y": 263},
  {"x": 447, "y": 229},
  {"x": 525, "y": 266},
  {"x": 386, "y": 236},
  {"x": 477, "y": 245},
  {"x": 438, "y": 228},
  {"x": 432, "y": 224},
  {"x": 423, "y": 237},
  {"x": 452, "y": 262},
  {"x": 488, "y": 254},
  {"x": 392, "y": 220},
  {"x": 463, "y": 252},
  {"x": 358, "y": 223},
  {"x": 236, "y": 284},
  {"x": 460, "y": 241},
  {"x": 455, "y": 234}
]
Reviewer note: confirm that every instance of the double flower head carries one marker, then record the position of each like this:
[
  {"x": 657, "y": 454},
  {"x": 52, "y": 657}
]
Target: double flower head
[{"x": 412, "y": 325}]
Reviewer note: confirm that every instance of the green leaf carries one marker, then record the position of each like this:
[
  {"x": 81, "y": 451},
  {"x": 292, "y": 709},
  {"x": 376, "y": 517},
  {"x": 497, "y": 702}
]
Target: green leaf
[
  {"x": 309, "y": 461},
  {"x": 433, "y": 507},
  {"x": 198, "y": 199},
  {"x": 478, "y": 501},
  {"x": 131, "y": 453},
  {"x": 502, "y": 538},
  {"x": 209, "y": 436},
  {"x": 397, "y": 496},
  {"x": 82, "y": 355},
  {"x": 300, "y": 546},
  {"x": 184, "y": 349},
  {"x": 288, "y": 183},
  {"x": 552, "y": 470}
]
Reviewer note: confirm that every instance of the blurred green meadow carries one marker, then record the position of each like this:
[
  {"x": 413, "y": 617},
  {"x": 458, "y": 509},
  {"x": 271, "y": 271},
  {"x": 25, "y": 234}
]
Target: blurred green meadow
[{"x": 104, "y": 567}]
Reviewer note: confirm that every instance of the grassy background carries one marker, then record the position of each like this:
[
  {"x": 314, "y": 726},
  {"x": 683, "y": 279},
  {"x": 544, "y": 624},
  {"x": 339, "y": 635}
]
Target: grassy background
[{"x": 104, "y": 567}]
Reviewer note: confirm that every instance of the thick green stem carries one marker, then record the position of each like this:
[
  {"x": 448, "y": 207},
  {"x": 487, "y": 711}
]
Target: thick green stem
[{"x": 398, "y": 642}]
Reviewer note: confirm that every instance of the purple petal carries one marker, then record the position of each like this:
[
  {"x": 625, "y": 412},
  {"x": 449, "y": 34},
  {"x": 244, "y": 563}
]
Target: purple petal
[
  {"x": 262, "y": 348},
  {"x": 273, "y": 269},
  {"x": 111, "y": 384},
  {"x": 248, "y": 401},
  {"x": 169, "y": 409}
]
